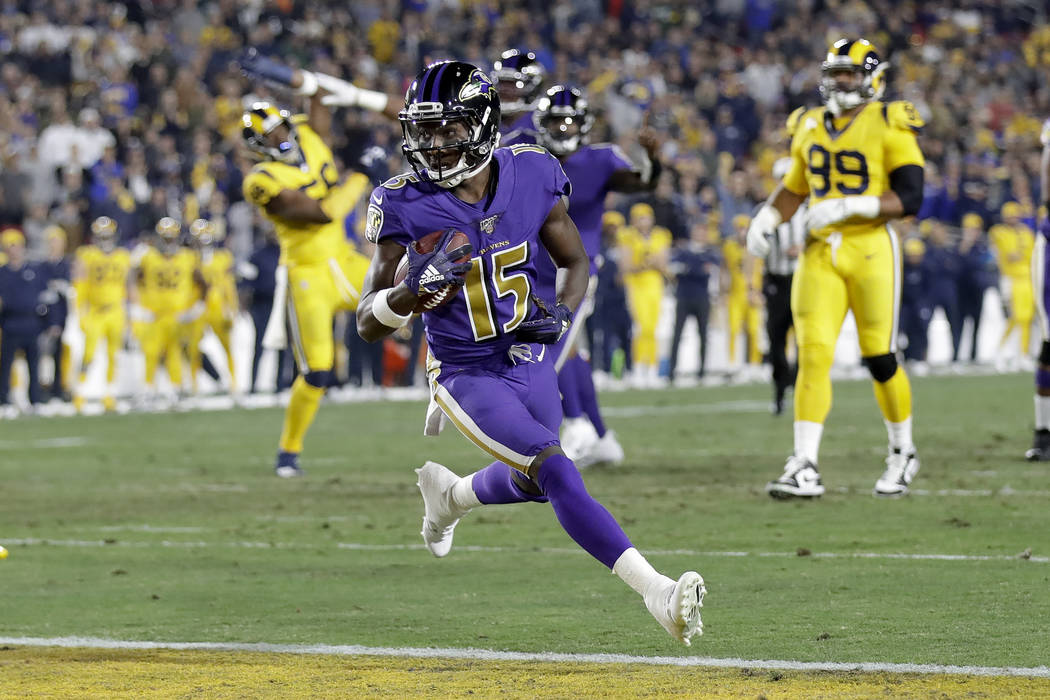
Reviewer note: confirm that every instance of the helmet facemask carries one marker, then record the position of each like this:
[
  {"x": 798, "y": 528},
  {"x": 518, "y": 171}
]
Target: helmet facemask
[
  {"x": 433, "y": 138},
  {"x": 257, "y": 136},
  {"x": 562, "y": 128},
  {"x": 868, "y": 82}
]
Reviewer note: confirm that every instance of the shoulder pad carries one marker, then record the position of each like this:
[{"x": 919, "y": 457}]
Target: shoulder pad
[
  {"x": 903, "y": 115},
  {"x": 793, "y": 120},
  {"x": 394, "y": 183},
  {"x": 519, "y": 148}
]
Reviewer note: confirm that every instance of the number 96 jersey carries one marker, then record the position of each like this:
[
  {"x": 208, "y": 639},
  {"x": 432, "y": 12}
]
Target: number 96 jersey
[
  {"x": 504, "y": 231},
  {"x": 850, "y": 156}
]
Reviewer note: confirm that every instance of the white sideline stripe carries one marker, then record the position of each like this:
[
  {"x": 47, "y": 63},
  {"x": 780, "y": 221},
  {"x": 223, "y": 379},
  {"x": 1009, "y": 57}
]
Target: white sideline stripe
[
  {"x": 490, "y": 655},
  {"x": 365, "y": 547},
  {"x": 717, "y": 407},
  {"x": 44, "y": 443}
]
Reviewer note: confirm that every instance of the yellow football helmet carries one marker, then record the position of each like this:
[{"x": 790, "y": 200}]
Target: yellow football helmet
[
  {"x": 860, "y": 58},
  {"x": 259, "y": 122},
  {"x": 203, "y": 232},
  {"x": 104, "y": 232},
  {"x": 168, "y": 230}
]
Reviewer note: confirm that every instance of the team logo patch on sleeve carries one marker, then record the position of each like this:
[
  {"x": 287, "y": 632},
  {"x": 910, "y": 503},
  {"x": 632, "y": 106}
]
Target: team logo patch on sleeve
[{"x": 373, "y": 223}]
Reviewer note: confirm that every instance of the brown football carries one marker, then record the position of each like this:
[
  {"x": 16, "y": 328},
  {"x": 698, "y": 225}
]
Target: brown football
[{"x": 426, "y": 244}]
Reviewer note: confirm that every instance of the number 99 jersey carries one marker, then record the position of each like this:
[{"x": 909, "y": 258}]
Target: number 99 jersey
[{"x": 851, "y": 156}]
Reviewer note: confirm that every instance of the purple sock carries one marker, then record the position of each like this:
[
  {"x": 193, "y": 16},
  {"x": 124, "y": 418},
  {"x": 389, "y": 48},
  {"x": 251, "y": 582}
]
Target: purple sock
[
  {"x": 570, "y": 392},
  {"x": 495, "y": 484},
  {"x": 583, "y": 518},
  {"x": 1042, "y": 378},
  {"x": 587, "y": 395}
]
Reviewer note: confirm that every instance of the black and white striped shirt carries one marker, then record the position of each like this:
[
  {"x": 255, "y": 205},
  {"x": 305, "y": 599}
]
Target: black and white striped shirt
[{"x": 790, "y": 234}]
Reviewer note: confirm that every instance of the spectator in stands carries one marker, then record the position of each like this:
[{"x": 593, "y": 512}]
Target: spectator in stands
[
  {"x": 610, "y": 327},
  {"x": 915, "y": 308},
  {"x": 942, "y": 288},
  {"x": 22, "y": 313},
  {"x": 978, "y": 274},
  {"x": 694, "y": 266}
]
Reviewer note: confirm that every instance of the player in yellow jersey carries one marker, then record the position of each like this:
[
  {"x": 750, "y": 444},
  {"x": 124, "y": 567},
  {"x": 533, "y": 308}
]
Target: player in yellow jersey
[
  {"x": 859, "y": 163},
  {"x": 297, "y": 187},
  {"x": 1013, "y": 243},
  {"x": 743, "y": 298},
  {"x": 647, "y": 250},
  {"x": 100, "y": 278},
  {"x": 220, "y": 304},
  {"x": 169, "y": 292}
]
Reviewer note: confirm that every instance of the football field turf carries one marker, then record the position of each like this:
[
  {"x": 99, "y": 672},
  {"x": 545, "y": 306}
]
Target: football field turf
[{"x": 172, "y": 528}]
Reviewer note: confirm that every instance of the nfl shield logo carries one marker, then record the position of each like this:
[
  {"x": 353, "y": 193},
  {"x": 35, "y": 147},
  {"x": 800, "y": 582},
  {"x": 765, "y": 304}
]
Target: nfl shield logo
[{"x": 489, "y": 225}]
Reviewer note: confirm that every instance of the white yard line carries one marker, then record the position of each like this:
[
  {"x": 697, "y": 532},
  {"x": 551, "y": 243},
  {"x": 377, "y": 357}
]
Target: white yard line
[
  {"x": 363, "y": 546},
  {"x": 490, "y": 655},
  {"x": 44, "y": 443}
]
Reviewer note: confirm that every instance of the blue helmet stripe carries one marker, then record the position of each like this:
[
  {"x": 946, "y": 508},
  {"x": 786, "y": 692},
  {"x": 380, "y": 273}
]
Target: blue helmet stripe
[{"x": 435, "y": 87}]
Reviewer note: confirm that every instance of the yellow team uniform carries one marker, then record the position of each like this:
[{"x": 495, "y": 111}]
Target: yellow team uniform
[
  {"x": 166, "y": 289},
  {"x": 101, "y": 296},
  {"x": 221, "y": 305},
  {"x": 325, "y": 273},
  {"x": 745, "y": 275},
  {"x": 1013, "y": 246},
  {"x": 645, "y": 287},
  {"x": 854, "y": 265}
]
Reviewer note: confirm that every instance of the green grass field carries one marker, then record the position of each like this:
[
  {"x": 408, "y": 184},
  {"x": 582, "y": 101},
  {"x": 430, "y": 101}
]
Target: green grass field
[{"x": 171, "y": 527}]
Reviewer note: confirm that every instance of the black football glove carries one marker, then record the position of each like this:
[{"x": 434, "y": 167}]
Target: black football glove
[
  {"x": 254, "y": 65},
  {"x": 433, "y": 271},
  {"x": 547, "y": 325}
]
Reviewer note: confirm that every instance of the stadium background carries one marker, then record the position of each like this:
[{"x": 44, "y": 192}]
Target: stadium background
[{"x": 131, "y": 110}]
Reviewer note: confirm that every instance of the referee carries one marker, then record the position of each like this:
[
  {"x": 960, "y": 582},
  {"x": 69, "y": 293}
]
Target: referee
[{"x": 776, "y": 287}]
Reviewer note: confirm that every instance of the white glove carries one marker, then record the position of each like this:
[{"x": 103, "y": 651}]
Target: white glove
[
  {"x": 833, "y": 211},
  {"x": 760, "y": 232},
  {"x": 342, "y": 93},
  {"x": 140, "y": 314},
  {"x": 193, "y": 313}
]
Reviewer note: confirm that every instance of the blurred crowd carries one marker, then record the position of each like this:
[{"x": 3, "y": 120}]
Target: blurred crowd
[{"x": 131, "y": 110}]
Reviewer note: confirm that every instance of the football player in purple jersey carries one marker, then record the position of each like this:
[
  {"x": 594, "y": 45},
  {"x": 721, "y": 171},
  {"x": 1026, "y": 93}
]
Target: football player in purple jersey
[
  {"x": 562, "y": 121},
  {"x": 1040, "y": 450},
  {"x": 486, "y": 368}
]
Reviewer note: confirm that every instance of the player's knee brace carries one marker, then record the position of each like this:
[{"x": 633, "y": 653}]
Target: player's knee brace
[
  {"x": 882, "y": 367},
  {"x": 1044, "y": 354},
  {"x": 319, "y": 379}
]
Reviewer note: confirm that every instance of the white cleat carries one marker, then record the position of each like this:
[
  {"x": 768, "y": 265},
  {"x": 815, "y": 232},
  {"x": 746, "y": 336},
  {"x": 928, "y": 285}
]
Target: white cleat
[
  {"x": 577, "y": 437},
  {"x": 901, "y": 468},
  {"x": 676, "y": 605},
  {"x": 607, "y": 450},
  {"x": 439, "y": 514},
  {"x": 799, "y": 480}
]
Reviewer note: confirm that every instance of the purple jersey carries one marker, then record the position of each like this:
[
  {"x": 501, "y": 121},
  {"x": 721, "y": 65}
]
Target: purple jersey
[
  {"x": 589, "y": 170},
  {"x": 479, "y": 323}
]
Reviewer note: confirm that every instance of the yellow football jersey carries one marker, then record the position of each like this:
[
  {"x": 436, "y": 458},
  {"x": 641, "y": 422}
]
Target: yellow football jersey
[
  {"x": 1013, "y": 248},
  {"x": 217, "y": 269},
  {"x": 849, "y": 156},
  {"x": 641, "y": 247},
  {"x": 166, "y": 283},
  {"x": 104, "y": 280},
  {"x": 305, "y": 243},
  {"x": 733, "y": 253}
]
